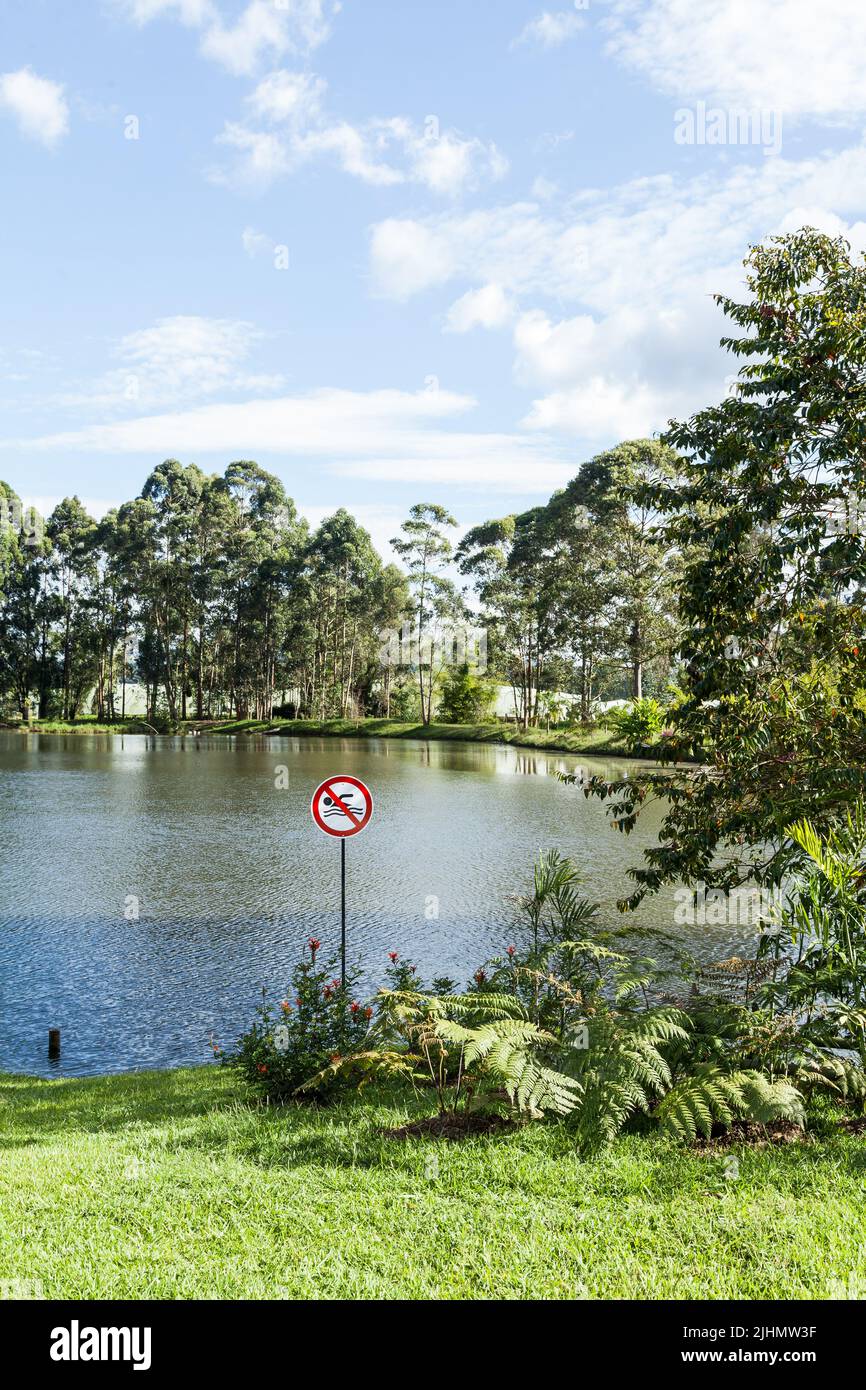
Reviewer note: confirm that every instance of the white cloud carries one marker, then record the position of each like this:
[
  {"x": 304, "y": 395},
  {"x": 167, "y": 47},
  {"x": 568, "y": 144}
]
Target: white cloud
[
  {"x": 178, "y": 359},
  {"x": 37, "y": 104},
  {"x": 551, "y": 28},
  {"x": 448, "y": 164},
  {"x": 633, "y": 338},
  {"x": 543, "y": 188},
  {"x": 599, "y": 409},
  {"x": 288, "y": 127},
  {"x": 264, "y": 156},
  {"x": 288, "y": 96},
  {"x": 354, "y": 151},
  {"x": 802, "y": 58},
  {"x": 256, "y": 243},
  {"x": 263, "y": 29},
  {"x": 488, "y": 307},
  {"x": 393, "y": 436},
  {"x": 408, "y": 256}
]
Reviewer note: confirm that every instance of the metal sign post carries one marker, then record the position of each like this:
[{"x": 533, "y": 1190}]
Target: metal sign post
[{"x": 342, "y": 806}]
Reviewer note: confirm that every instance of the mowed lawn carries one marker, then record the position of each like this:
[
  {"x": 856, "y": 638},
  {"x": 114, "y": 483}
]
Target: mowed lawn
[{"x": 170, "y": 1185}]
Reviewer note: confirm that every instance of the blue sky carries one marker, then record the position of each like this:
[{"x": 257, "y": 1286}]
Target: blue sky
[{"x": 394, "y": 251}]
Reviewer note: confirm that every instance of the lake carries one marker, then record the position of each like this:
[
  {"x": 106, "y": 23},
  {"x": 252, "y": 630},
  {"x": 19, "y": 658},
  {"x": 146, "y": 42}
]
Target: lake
[{"x": 229, "y": 877}]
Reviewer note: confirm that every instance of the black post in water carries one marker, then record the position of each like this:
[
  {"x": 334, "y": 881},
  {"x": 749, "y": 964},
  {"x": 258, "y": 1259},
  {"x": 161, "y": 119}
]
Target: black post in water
[{"x": 343, "y": 933}]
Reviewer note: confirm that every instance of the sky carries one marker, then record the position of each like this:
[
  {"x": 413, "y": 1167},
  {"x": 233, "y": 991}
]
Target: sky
[{"x": 394, "y": 251}]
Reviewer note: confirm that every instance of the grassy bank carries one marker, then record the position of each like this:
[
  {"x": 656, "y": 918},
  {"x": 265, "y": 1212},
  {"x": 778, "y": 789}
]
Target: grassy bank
[
  {"x": 598, "y": 741},
  {"x": 81, "y": 726},
  {"x": 168, "y": 1185}
]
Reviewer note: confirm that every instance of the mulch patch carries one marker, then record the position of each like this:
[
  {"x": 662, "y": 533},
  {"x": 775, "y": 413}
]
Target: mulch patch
[
  {"x": 754, "y": 1135},
  {"x": 449, "y": 1127}
]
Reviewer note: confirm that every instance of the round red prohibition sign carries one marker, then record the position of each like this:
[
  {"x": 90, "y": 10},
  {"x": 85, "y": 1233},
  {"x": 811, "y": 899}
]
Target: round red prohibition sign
[{"x": 342, "y": 806}]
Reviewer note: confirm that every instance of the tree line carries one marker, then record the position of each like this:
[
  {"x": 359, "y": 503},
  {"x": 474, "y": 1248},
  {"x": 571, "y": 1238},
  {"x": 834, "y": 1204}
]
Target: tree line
[{"x": 213, "y": 594}]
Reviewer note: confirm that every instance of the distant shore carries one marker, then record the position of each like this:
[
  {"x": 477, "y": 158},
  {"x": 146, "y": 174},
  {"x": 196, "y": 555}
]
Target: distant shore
[{"x": 594, "y": 741}]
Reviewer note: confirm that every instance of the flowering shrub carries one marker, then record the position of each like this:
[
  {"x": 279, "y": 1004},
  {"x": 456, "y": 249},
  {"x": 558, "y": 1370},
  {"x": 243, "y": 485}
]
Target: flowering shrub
[
  {"x": 403, "y": 975},
  {"x": 317, "y": 1021}
]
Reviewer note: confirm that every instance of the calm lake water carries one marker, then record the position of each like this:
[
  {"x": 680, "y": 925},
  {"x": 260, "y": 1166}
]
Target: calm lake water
[{"x": 232, "y": 877}]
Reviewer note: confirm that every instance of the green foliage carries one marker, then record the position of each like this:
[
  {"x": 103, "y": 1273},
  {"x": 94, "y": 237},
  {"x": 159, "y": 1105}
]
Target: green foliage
[
  {"x": 464, "y": 697},
  {"x": 318, "y": 1021},
  {"x": 637, "y": 724},
  {"x": 825, "y": 920},
  {"x": 622, "y": 1068},
  {"x": 477, "y": 1052},
  {"x": 405, "y": 702},
  {"x": 767, "y": 512},
  {"x": 709, "y": 1095}
]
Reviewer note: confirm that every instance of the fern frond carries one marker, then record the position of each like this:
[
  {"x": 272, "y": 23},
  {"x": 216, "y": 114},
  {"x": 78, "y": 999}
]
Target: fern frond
[{"x": 709, "y": 1096}]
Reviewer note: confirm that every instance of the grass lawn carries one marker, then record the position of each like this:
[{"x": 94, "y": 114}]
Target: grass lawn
[{"x": 170, "y": 1185}]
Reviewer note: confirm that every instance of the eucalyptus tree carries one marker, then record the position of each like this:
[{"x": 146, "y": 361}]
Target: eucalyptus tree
[
  {"x": 175, "y": 491},
  {"x": 388, "y": 606},
  {"x": 584, "y": 588},
  {"x": 72, "y": 535},
  {"x": 263, "y": 545},
  {"x": 426, "y": 549},
  {"x": 508, "y": 562},
  {"x": 25, "y": 608},
  {"x": 343, "y": 574},
  {"x": 616, "y": 490}
]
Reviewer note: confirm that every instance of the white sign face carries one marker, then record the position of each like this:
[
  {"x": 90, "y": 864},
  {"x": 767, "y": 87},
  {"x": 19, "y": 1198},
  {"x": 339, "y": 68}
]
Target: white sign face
[{"x": 342, "y": 806}]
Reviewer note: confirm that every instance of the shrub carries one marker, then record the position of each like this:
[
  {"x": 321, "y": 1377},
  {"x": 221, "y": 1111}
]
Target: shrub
[
  {"x": 637, "y": 724},
  {"x": 465, "y": 698},
  {"x": 317, "y": 1021}
]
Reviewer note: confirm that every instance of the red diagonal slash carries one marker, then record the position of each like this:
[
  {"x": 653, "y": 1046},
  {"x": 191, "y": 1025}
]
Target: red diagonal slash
[{"x": 329, "y": 786}]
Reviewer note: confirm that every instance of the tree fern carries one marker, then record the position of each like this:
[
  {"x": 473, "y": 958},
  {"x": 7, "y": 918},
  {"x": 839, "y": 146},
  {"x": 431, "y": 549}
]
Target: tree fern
[
  {"x": 621, "y": 1071},
  {"x": 709, "y": 1096}
]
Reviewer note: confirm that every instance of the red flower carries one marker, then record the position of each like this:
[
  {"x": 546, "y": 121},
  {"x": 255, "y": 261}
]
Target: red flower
[
  {"x": 355, "y": 1007},
  {"x": 480, "y": 977},
  {"x": 335, "y": 984},
  {"x": 286, "y": 1007},
  {"x": 298, "y": 1001},
  {"x": 314, "y": 943},
  {"x": 327, "y": 992},
  {"x": 263, "y": 1069},
  {"x": 368, "y": 1012},
  {"x": 511, "y": 950},
  {"x": 393, "y": 957}
]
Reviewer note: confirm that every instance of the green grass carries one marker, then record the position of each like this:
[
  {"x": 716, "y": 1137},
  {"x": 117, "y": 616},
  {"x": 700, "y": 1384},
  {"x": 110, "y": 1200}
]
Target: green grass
[
  {"x": 556, "y": 740},
  {"x": 599, "y": 741},
  {"x": 595, "y": 740},
  {"x": 170, "y": 1185},
  {"x": 81, "y": 726}
]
